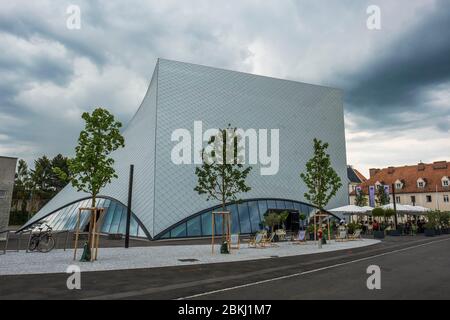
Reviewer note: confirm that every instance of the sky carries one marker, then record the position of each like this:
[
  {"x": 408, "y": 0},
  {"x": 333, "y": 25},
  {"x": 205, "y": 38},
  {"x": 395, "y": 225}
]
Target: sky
[{"x": 395, "y": 80}]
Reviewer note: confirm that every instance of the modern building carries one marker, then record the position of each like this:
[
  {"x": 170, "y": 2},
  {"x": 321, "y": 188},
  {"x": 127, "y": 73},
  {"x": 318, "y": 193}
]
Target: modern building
[
  {"x": 426, "y": 185},
  {"x": 190, "y": 99},
  {"x": 7, "y": 173}
]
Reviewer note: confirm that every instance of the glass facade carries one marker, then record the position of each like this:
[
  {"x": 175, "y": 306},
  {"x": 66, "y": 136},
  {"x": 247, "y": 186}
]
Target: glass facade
[
  {"x": 246, "y": 218},
  {"x": 114, "y": 220}
]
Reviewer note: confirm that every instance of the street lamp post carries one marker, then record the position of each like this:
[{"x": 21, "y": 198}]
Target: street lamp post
[{"x": 395, "y": 205}]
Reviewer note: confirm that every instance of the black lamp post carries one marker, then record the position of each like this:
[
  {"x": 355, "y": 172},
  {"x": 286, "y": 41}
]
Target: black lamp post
[
  {"x": 130, "y": 194},
  {"x": 395, "y": 205}
]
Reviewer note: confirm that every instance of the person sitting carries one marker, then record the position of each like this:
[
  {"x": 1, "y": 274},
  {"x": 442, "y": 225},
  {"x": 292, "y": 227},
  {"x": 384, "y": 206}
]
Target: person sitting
[{"x": 370, "y": 228}]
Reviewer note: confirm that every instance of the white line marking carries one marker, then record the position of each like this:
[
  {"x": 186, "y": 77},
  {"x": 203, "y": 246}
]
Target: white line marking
[{"x": 310, "y": 271}]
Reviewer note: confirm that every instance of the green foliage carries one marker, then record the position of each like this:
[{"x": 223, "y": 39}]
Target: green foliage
[
  {"x": 389, "y": 213},
  {"x": 320, "y": 178},
  {"x": 271, "y": 220},
  {"x": 302, "y": 216},
  {"x": 18, "y": 218},
  {"x": 41, "y": 174},
  {"x": 40, "y": 183},
  {"x": 310, "y": 228},
  {"x": 381, "y": 197},
  {"x": 283, "y": 216},
  {"x": 92, "y": 168},
  {"x": 433, "y": 220},
  {"x": 352, "y": 227},
  {"x": 444, "y": 219},
  {"x": 59, "y": 164},
  {"x": 222, "y": 176},
  {"x": 360, "y": 199},
  {"x": 437, "y": 219},
  {"x": 378, "y": 212}
]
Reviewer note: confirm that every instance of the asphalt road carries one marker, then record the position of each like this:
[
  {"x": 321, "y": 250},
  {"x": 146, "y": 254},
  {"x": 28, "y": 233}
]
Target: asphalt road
[{"x": 411, "y": 268}]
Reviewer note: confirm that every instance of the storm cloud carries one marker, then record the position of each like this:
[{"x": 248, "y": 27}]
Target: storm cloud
[{"x": 396, "y": 81}]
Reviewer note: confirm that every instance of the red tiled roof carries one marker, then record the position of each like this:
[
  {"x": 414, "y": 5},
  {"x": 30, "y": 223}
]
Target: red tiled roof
[{"x": 431, "y": 173}]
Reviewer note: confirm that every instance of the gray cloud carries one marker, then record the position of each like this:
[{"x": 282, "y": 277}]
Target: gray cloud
[{"x": 395, "y": 80}]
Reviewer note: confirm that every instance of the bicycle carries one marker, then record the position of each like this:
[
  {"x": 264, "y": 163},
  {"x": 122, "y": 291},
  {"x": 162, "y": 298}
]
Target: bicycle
[{"x": 42, "y": 241}]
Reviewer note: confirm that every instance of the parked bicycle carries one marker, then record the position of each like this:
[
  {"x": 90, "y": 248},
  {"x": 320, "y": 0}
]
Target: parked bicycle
[{"x": 42, "y": 241}]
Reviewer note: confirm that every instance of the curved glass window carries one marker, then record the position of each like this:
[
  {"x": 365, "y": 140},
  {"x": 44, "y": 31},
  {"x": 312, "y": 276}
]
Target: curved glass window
[
  {"x": 254, "y": 216},
  {"x": 114, "y": 220},
  {"x": 235, "y": 225},
  {"x": 246, "y": 218},
  {"x": 206, "y": 224},
  {"x": 194, "y": 227}
]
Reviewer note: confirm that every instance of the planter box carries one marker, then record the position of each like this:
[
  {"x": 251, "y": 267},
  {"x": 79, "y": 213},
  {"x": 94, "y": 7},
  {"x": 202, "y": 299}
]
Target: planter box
[
  {"x": 378, "y": 234},
  {"x": 430, "y": 232},
  {"x": 394, "y": 233}
]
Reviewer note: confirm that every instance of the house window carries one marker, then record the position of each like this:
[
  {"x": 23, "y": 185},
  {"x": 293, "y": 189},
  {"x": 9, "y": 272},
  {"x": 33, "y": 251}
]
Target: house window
[
  {"x": 446, "y": 198},
  {"x": 398, "y": 185},
  {"x": 2, "y": 194},
  {"x": 413, "y": 199},
  {"x": 445, "y": 183},
  {"x": 420, "y": 184},
  {"x": 429, "y": 199},
  {"x": 397, "y": 199}
]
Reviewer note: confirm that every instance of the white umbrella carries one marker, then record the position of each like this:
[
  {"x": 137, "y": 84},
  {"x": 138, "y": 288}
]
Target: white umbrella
[
  {"x": 399, "y": 207},
  {"x": 417, "y": 209},
  {"x": 352, "y": 210}
]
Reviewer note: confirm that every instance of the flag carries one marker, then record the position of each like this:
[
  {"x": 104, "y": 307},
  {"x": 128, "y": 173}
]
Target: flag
[{"x": 372, "y": 196}]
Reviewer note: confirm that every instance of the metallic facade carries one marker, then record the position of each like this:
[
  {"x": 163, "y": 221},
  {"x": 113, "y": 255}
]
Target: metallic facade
[{"x": 181, "y": 93}]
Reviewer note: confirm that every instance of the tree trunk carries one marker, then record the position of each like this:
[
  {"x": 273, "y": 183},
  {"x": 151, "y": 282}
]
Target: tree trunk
[{"x": 91, "y": 230}]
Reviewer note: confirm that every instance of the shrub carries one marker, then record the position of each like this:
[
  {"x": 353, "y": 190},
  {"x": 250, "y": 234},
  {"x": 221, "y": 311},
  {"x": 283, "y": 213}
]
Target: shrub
[
  {"x": 389, "y": 213},
  {"x": 444, "y": 219},
  {"x": 433, "y": 220},
  {"x": 378, "y": 212},
  {"x": 352, "y": 227},
  {"x": 18, "y": 218}
]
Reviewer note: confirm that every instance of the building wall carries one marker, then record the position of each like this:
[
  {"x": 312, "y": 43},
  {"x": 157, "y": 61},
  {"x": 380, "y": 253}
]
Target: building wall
[
  {"x": 301, "y": 112},
  {"x": 437, "y": 200},
  {"x": 7, "y": 172},
  {"x": 181, "y": 93}
]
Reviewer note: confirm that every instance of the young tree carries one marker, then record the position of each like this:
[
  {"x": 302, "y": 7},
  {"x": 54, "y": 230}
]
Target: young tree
[
  {"x": 41, "y": 174},
  {"x": 320, "y": 178},
  {"x": 271, "y": 220},
  {"x": 92, "y": 168},
  {"x": 222, "y": 175},
  {"x": 360, "y": 198},
  {"x": 22, "y": 185}
]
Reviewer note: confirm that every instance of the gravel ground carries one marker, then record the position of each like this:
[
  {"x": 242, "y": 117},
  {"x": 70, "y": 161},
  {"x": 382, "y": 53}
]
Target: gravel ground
[{"x": 57, "y": 261}]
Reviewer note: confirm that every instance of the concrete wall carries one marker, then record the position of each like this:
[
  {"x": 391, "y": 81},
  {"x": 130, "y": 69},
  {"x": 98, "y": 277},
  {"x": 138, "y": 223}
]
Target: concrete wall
[{"x": 7, "y": 171}]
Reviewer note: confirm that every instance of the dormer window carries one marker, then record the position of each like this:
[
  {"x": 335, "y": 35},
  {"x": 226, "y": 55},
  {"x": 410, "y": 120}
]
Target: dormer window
[
  {"x": 445, "y": 181},
  {"x": 420, "y": 183},
  {"x": 377, "y": 184},
  {"x": 398, "y": 184}
]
